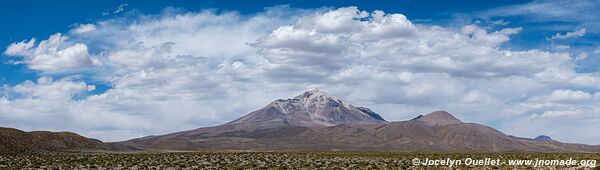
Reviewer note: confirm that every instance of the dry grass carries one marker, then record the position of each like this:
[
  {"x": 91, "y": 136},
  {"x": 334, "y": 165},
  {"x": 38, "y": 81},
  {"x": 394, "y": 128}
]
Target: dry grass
[{"x": 259, "y": 160}]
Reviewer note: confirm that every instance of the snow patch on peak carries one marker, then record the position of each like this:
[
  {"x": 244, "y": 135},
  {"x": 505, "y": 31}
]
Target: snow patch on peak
[
  {"x": 314, "y": 92},
  {"x": 318, "y": 98},
  {"x": 314, "y": 99},
  {"x": 286, "y": 106},
  {"x": 313, "y": 89},
  {"x": 314, "y": 107}
]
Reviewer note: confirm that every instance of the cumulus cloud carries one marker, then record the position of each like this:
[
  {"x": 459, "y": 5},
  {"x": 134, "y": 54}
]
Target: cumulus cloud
[
  {"x": 53, "y": 54},
  {"x": 46, "y": 88},
  {"x": 340, "y": 37},
  {"x": 569, "y": 96},
  {"x": 84, "y": 28},
  {"x": 180, "y": 70},
  {"x": 575, "y": 111},
  {"x": 184, "y": 70}
]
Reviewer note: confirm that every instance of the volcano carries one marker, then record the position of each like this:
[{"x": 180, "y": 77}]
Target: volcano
[{"x": 318, "y": 121}]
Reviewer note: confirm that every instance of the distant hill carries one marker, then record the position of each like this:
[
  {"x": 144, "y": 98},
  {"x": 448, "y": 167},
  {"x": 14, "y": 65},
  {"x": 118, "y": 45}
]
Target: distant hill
[
  {"x": 317, "y": 121},
  {"x": 17, "y": 141},
  {"x": 311, "y": 121},
  {"x": 543, "y": 138}
]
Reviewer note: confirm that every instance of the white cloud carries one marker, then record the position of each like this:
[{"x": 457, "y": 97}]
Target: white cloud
[
  {"x": 564, "y": 113},
  {"x": 84, "y": 28},
  {"x": 393, "y": 42},
  {"x": 54, "y": 54},
  {"x": 569, "y": 96},
  {"x": 186, "y": 70},
  {"x": 561, "y": 47},
  {"x": 500, "y": 22},
  {"x": 47, "y": 89},
  {"x": 574, "y": 110},
  {"x": 575, "y": 34},
  {"x": 581, "y": 56},
  {"x": 548, "y": 10},
  {"x": 19, "y": 48},
  {"x": 120, "y": 9},
  {"x": 180, "y": 70}
]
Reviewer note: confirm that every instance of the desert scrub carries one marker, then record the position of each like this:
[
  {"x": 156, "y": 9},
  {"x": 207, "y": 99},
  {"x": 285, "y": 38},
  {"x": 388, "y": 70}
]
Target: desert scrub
[{"x": 263, "y": 160}]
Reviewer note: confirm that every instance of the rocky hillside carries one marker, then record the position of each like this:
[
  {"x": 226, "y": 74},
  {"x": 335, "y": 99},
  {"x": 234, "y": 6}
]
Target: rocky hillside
[
  {"x": 317, "y": 121},
  {"x": 312, "y": 108},
  {"x": 17, "y": 141}
]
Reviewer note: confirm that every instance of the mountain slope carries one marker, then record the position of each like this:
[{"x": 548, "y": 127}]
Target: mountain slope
[
  {"x": 438, "y": 118},
  {"x": 317, "y": 121},
  {"x": 17, "y": 141},
  {"x": 312, "y": 108}
]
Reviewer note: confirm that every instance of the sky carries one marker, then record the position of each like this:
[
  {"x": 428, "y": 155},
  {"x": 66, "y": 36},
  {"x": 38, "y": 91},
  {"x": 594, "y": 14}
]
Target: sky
[{"x": 116, "y": 70}]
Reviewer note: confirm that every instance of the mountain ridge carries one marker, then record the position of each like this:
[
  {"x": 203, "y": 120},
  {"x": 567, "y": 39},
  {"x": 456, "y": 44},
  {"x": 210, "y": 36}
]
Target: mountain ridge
[
  {"x": 311, "y": 121},
  {"x": 314, "y": 107},
  {"x": 18, "y": 141},
  {"x": 317, "y": 121}
]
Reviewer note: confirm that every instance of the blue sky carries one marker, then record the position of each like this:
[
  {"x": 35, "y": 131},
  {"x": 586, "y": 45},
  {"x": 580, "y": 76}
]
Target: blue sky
[
  {"x": 32, "y": 19},
  {"x": 98, "y": 66},
  {"x": 37, "y": 18}
]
